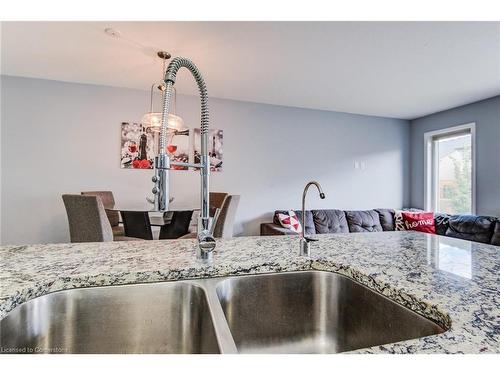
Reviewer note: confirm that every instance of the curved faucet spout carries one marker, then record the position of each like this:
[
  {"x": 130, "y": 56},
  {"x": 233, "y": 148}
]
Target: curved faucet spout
[
  {"x": 163, "y": 164},
  {"x": 304, "y": 241}
]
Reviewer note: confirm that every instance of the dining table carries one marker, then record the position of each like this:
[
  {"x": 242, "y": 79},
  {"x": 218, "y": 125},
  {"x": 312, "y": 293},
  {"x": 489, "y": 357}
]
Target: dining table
[{"x": 156, "y": 218}]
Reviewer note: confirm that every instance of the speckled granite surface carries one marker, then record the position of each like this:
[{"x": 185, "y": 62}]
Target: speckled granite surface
[{"x": 451, "y": 281}]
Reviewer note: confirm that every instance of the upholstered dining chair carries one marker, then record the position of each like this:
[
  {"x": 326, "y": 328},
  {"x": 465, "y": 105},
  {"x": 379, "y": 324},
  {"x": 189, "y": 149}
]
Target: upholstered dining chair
[
  {"x": 87, "y": 219},
  {"x": 108, "y": 200},
  {"x": 224, "y": 227},
  {"x": 217, "y": 199}
]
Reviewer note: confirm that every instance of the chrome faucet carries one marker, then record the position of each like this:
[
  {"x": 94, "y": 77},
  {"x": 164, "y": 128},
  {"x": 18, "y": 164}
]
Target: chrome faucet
[
  {"x": 305, "y": 249},
  {"x": 206, "y": 240}
]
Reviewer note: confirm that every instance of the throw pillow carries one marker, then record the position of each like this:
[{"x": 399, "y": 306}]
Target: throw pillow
[
  {"x": 290, "y": 221},
  {"x": 398, "y": 220},
  {"x": 419, "y": 221}
]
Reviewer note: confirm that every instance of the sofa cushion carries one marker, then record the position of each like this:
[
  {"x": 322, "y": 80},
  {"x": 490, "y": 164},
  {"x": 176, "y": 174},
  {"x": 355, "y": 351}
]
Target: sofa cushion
[
  {"x": 309, "y": 223},
  {"x": 471, "y": 227},
  {"x": 271, "y": 229},
  {"x": 495, "y": 240},
  {"x": 386, "y": 217},
  {"x": 441, "y": 221},
  {"x": 363, "y": 221},
  {"x": 330, "y": 221}
]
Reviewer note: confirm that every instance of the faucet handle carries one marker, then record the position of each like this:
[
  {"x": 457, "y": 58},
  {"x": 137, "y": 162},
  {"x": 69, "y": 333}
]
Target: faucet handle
[
  {"x": 206, "y": 239},
  {"x": 215, "y": 218},
  {"x": 310, "y": 239}
]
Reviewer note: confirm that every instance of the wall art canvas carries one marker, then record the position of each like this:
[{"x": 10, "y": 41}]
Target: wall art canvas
[
  {"x": 137, "y": 146},
  {"x": 178, "y": 146},
  {"x": 140, "y": 145},
  {"x": 215, "y": 142}
]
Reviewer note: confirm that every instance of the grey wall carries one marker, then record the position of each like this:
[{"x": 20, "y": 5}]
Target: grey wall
[
  {"x": 62, "y": 137},
  {"x": 486, "y": 115}
]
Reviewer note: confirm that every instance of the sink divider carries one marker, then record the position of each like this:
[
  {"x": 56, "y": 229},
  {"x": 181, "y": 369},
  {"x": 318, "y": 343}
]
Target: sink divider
[{"x": 222, "y": 331}]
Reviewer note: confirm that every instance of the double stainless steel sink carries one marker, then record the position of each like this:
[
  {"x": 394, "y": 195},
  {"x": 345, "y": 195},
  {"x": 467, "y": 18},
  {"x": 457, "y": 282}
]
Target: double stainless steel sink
[{"x": 294, "y": 312}]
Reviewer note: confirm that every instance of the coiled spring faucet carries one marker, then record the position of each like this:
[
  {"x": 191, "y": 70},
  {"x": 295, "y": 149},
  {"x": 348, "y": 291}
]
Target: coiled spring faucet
[
  {"x": 305, "y": 249},
  {"x": 206, "y": 240}
]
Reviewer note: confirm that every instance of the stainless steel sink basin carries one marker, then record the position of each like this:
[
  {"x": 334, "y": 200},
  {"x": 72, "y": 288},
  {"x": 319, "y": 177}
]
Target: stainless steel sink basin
[
  {"x": 146, "y": 318},
  {"x": 313, "y": 312},
  {"x": 297, "y": 312}
]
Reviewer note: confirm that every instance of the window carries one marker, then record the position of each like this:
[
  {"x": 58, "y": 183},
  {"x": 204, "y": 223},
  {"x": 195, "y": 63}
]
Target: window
[{"x": 450, "y": 170}]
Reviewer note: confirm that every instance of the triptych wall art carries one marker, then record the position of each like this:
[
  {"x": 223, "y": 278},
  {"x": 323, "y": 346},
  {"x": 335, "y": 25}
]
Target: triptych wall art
[{"x": 139, "y": 146}]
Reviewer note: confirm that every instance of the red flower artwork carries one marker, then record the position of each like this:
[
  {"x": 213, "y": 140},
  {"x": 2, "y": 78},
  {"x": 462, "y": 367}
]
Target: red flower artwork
[
  {"x": 141, "y": 164},
  {"x": 145, "y": 164}
]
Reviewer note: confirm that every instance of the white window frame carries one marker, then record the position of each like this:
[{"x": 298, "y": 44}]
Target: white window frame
[{"x": 429, "y": 179}]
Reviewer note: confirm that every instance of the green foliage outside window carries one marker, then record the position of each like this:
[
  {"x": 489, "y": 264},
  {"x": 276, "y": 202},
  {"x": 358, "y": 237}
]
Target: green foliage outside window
[{"x": 460, "y": 194}]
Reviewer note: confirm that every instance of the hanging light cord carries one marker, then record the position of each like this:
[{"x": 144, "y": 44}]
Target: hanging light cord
[{"x": 151, "y": 98}]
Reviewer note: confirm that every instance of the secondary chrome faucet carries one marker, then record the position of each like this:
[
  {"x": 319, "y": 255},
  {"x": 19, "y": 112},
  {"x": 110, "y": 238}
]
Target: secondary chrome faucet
[
  {"x": 305, "y": 249},
  {"x": 206, "y": 240}
]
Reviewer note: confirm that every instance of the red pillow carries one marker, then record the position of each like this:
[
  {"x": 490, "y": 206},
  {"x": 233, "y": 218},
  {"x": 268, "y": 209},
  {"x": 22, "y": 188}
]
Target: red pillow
[{"x": 419, "y": 221}]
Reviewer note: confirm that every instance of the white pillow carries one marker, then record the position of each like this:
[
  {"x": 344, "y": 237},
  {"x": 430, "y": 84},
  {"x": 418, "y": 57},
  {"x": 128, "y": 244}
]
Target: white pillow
[{"x": 399, "y": 223}]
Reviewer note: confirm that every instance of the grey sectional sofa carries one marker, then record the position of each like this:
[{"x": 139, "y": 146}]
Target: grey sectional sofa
[{"x": 485, "y": 229}]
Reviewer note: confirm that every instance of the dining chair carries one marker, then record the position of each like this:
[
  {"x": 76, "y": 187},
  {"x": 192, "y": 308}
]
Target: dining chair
[
  {"x": 108, "y": 200},
  {"x": 217, "y": 199},
  {"x": 88, "y": 221},
  {"x": 137, "y": 224},
  {"x": 224, "y": 227}
]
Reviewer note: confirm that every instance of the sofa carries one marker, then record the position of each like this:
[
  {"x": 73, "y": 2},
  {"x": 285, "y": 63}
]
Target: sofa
[{"x": 484, "y": 229}]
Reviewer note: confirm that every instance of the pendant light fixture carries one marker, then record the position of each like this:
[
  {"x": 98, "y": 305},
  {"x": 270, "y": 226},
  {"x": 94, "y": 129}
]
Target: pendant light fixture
[{"x": 152, "y": 119}]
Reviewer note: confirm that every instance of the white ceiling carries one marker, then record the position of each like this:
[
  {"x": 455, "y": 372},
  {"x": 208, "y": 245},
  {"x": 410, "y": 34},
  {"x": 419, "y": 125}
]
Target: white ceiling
[{"x": 394, "y": 69}]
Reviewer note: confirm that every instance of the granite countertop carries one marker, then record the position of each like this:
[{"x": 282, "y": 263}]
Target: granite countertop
[{"x": 454, "y": 282}]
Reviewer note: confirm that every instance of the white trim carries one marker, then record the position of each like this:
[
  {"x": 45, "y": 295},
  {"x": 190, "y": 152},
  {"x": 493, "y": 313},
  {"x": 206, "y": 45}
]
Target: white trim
[{"x": 430, "y": 179}]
